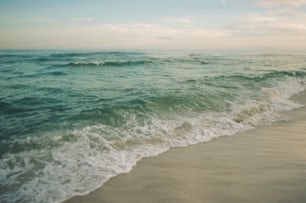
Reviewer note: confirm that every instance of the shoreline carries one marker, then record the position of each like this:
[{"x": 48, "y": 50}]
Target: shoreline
[{"x": 266, "y": 164}]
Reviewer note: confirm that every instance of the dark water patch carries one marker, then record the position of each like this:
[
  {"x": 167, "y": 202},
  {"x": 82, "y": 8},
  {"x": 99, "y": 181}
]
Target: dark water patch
[
  {"x": 22, "y": 107},
  {"x": 30, "y": 101},
  {"x": 23, "y": 125},
  {"x": 293, "y": 73},
  {"x": 56, "y": 73},
  {"x": 191, "y": 81},
  {"x": 42, "y": 59},
  {"x": 30, "y": 121},
  {"x": 205, "y": 63},
  {"x": 16, "y": 55},
  {"x": 9, "y": 108}
]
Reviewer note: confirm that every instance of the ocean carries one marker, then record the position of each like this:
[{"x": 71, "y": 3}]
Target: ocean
[{"x": 70, "y": 120}]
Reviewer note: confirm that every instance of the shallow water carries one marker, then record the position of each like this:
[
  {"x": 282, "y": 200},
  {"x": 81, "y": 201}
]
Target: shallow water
[{"x": 70, "y": 120}]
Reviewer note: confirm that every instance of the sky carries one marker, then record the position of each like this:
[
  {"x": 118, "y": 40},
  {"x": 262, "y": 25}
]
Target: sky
[{"x": 153, "y": 25}]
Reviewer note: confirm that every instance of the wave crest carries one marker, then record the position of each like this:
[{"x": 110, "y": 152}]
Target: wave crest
[{"x": 109, "y": 63}]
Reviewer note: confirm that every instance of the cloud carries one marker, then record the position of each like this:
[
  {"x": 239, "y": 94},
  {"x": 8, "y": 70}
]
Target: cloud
[
  {"x": 279, "y": 18},
  {"x": 278, "y": 22},
  {"x": 178, "y": 20},
  {"x": 144, "y": 35},
  {"x": 272, "y": 28},
  {"x": 281, "y": 3},
  {"x": 48, "y": 20},
  {"x": 276, "y": 28}
]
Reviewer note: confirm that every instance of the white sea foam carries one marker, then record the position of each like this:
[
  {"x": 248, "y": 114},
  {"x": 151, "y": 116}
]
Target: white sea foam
[{"x": 90, "y": 157}]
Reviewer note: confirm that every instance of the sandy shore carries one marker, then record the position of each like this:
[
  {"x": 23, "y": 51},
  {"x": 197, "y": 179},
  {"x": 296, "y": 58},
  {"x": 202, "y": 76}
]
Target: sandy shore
[{"x": 265, "y": 165}]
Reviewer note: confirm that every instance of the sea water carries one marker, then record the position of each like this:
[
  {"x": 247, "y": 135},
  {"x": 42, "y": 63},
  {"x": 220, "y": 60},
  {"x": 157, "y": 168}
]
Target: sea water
[{"x": 70, "y": 120}]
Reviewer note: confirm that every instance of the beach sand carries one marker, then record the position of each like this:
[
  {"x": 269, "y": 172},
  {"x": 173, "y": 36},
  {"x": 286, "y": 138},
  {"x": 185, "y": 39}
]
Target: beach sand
[{"x": 266, "y": 165}]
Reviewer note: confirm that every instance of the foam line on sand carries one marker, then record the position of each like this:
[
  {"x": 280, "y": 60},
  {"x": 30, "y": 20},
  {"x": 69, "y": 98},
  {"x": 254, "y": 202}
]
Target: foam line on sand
[{"x": 267, "y": 164}]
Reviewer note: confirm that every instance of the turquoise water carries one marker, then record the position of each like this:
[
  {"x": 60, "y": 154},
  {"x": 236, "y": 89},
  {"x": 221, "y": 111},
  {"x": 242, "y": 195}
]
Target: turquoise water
[{"x": 70, "y": 120}]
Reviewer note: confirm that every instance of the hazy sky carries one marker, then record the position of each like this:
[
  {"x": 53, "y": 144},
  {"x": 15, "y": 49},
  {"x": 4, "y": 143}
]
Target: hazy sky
[{"x": 158, "y": 24}]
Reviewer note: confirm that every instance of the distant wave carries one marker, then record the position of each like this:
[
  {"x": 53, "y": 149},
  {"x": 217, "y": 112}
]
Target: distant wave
[
  {"x": 109, "y": 63},
  {"x": 113, "y": 53}
]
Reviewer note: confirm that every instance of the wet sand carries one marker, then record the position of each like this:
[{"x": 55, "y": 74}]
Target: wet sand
[{"x": 265, "y": 165}]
